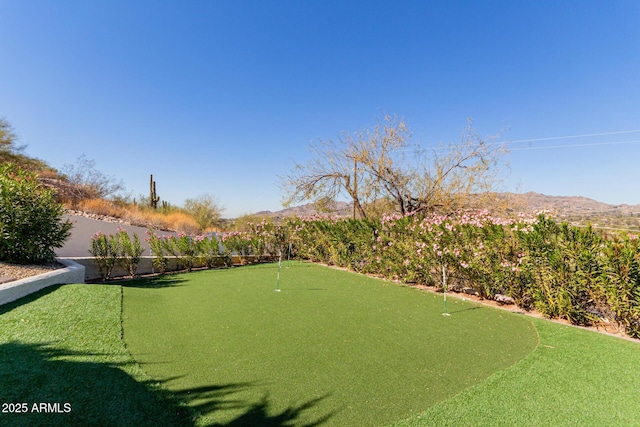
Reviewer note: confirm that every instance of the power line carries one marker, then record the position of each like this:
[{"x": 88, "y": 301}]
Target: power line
[
  {"x": 574, "y": 145},
  {"x": 506, "y": 143},
  {"x": 574, "y": 136}
]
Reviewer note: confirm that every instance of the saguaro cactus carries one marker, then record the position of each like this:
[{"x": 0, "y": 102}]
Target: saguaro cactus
[{"x": 153, "y": 197}]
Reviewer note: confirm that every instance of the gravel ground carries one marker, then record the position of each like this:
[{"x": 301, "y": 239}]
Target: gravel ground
[{"x": 16, "y": 271}]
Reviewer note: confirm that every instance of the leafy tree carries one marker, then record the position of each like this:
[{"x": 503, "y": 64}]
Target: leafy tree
[
  {"x": 373, "y": 168},
  {"x": 30, "y": 219},
  {"x": 205, "y": 209}
]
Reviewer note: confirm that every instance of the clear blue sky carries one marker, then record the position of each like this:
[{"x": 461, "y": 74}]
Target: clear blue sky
[{"x": 221, "y": 97}]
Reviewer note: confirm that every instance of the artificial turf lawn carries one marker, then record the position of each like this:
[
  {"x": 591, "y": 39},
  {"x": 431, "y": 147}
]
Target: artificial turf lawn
[
  {"x": 575, "y": 377},
  {"x": 63, "y": 345},
  {"x": 332, "y": 347}
]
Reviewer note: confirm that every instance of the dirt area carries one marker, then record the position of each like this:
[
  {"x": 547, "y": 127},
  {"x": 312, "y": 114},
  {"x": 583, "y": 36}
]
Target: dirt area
[{"x": 10, "y": 272}]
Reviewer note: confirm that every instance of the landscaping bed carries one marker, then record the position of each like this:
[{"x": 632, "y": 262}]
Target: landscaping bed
[{"x": 10, "y": 272}]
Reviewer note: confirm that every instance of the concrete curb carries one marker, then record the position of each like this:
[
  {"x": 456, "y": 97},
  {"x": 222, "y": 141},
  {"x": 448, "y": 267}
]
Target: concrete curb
[{"x": 72, "y": 273}]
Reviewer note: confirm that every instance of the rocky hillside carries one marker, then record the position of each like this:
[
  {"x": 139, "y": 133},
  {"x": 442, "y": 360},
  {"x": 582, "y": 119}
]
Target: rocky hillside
[
  {"x": 575, "y": 205},
  {"x": 577, "y": 210},
  {"x": 530, "y": 202},
  {"x": 339, "y": 208}
]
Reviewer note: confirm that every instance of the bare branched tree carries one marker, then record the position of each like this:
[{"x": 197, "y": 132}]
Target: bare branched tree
[
  {"x": 84, "y": 181},
  {"x": 374, "y": 169},
  {"x": 327, "y": 175},
  {"x": 381, "y": 154},
  {"x": 455, "y": 176}
]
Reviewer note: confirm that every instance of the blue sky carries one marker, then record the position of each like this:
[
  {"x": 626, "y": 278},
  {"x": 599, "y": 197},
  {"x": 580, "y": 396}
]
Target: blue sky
[{"x": 221, "y": 97}]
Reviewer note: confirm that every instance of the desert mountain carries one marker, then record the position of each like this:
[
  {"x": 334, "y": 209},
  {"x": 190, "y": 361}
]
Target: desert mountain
[{"x": 528, "y": 202}]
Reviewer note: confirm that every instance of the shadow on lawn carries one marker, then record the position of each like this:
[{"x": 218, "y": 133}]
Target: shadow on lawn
[
  {"x": 210, "y": 399},
  {"x": 453, "y": 311},
  {"x": 168, "y": 281},
  {"x": 5, "y": 308},
  {"x": 82, "y": 389}
]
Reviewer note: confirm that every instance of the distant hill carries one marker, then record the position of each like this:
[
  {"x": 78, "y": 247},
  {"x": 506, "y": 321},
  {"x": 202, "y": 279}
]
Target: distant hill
[
  {"x": 577, "y": 210},
  {"x": 339, "y": 208},
  {"x": 574, "y": 205},
  {"x": 527, "y": 202}
]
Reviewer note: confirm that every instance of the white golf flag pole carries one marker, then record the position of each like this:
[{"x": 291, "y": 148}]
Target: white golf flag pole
[
  {"x": 444, "y": 288},
  {"x": 279, "y": 267}
]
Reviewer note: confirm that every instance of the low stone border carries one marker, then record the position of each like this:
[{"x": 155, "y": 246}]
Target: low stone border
[{"x": 72, "y": 273}]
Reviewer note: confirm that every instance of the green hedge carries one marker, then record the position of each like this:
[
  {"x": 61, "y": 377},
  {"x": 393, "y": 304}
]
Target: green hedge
[
  {"x": 563, "y": 271},
  {"x": 31, "y": 223}
]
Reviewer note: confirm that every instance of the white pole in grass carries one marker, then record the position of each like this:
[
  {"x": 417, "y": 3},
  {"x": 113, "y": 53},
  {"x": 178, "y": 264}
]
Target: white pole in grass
[
  {"x": 289, "y": 257},
  {"x": 279, "y": 267},
  {"x": 444, "y": 287}
]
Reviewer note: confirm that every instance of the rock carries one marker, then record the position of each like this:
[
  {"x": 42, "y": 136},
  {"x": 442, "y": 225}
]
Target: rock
[{"x": 503, "y": 299}]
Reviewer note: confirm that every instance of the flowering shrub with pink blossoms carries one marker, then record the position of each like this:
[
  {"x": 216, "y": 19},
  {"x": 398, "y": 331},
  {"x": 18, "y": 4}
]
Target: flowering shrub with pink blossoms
[
  {"x": 116, "y": 249},
  {"x": 187, "y": 251},
  {"x": 562, "y": 271}
]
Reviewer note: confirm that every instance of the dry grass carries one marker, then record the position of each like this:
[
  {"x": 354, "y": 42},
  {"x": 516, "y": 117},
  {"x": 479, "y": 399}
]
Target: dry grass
[
  {"x": 101, "y": 207},
  {"x": 176, "y": 220},
  {"x": 181, "y": 221}
]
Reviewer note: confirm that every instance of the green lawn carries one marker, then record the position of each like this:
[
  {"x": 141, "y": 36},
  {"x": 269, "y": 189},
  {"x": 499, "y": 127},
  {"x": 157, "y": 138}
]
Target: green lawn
[
  {"x": 63, "y": 345},
  {"x": 574, "y": 378},
  {"x": 332, "y": 346}
]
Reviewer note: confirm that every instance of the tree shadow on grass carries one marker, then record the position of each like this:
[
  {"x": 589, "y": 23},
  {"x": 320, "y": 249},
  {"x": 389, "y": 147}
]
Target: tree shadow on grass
[
  {"x": 85, "y": 390},
  {"x": 95, "y": 392},
  {"x": 169, "y": 281},
  {"x": 257, "y": 415}
]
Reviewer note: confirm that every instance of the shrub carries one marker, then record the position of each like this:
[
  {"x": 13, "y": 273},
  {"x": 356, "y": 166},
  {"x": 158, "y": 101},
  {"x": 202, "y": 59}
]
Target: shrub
[
  {"x": 211, "y": 252},
  {"x": 129, "y": 251},
  {"x": 30, "y": 219},
  {"x": 119, "y": 249},
  {"x": 105, "y": 252},
  {"x": 238, "y": 242},
  {"x": 159, "y": 259},
  {"x": 619, "y": 291}
]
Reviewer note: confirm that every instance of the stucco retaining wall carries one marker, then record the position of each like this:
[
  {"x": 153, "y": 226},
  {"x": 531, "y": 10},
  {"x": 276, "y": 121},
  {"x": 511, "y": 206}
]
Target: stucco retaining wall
[{"x": 72, "y": 273}]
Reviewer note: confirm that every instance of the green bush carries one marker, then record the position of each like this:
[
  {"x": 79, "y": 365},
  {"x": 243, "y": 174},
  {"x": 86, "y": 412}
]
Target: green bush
[
  {"x": 119, "y": 249},
  {"x": 31, "y": 223},
  {"x": 156, "y": 243},
  {"x": 210, "y": 252},
  {"x": 130, "y": 251},
  {"x": 105, "y": 252}
]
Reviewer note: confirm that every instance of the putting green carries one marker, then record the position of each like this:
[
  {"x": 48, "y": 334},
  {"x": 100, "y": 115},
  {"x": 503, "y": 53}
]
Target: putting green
[{"x": 333, "y": 347}]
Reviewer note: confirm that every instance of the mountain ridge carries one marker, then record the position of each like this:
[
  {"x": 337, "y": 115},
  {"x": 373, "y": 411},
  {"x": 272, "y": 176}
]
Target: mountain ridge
[{"x": 531, "y": 201}]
